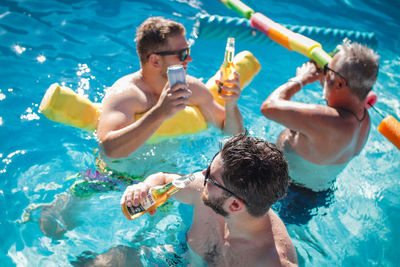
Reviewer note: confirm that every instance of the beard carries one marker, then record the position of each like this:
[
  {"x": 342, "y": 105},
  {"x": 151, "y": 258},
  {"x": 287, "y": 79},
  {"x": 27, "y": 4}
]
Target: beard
[{"x": 216, "y": 204}]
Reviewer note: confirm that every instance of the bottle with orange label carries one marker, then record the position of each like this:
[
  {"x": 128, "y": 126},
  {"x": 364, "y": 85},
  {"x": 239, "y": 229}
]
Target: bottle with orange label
[
  {"x": 227, "y": 69},
  {"x": 157, "y": 196}
]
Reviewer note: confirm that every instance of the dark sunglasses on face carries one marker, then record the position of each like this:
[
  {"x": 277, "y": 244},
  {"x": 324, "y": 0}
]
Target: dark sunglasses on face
[
  {"x": 182, "y": 54},
  {"x": 208, "y": 179},
  {"x": 326, "y": 68}
]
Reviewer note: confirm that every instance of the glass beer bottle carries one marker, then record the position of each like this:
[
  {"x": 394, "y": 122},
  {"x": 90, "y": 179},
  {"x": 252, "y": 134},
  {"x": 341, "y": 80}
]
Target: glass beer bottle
[
  {"x": 157, "y": 196},
  {"x": 227, "y": 68}
]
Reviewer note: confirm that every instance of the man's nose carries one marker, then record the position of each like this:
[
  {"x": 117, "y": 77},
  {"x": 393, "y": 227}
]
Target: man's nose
[{"x": 189, "y": 58}]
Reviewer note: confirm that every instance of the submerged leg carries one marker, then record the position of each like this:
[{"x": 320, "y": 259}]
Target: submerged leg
[{"x": 117, "y": 256}]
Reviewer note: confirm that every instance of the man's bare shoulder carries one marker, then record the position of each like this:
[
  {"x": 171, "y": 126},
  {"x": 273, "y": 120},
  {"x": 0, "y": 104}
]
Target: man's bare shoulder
[
  {"x": 284, "y": 246},
  {"x": 200, "y": 93},
  {"x": 125, "y": 91},
  {"x": 126, "y": 85},
  {"x": 314, "y": 119},
  {"x": 195, "y": 83}
]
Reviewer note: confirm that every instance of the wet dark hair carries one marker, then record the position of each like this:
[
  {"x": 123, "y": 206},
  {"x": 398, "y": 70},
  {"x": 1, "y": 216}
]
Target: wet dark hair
[
  {"x": 152, "y": 36},
  {"x": 255, "y": 170}
]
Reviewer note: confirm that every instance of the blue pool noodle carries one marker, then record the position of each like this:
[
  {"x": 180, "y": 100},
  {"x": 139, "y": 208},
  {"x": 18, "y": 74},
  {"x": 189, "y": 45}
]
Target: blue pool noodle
[{"x": 216, "y": 27}]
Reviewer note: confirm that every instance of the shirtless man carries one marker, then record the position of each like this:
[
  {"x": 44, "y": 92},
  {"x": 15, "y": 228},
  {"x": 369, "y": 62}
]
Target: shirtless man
[
  {"x": 233, "y": 224},
  {"x": 160, "y": 44},
  {"x": 320, "y": 140}
]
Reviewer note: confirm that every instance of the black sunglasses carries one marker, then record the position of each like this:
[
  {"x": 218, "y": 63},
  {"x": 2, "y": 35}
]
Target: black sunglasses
[
  {"x": 208, "y": 179},
  {"x": 326, "y": 68},
  {"x": 182, "y": 54}
]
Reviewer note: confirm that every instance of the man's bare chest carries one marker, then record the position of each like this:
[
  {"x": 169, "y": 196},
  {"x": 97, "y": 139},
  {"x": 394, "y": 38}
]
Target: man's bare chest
[{"x": 214, "y": 249}]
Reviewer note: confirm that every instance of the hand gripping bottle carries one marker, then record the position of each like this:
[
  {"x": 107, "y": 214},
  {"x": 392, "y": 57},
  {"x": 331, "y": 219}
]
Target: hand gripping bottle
[
  {"x": 157, "y": 196},
  {"x": 227, "y": 68}
]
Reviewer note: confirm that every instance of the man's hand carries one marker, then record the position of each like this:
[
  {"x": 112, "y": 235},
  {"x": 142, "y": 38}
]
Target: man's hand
[
  {"x": 173, "y": 99},
  {"x": 134, "y": 194},
  {"x": 309, "y": 73},
  {"x": 230, "y": 89}
]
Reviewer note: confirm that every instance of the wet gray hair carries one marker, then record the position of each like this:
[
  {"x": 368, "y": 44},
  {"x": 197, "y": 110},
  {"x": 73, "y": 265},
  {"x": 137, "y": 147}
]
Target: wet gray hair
[{"x": 359, "y": 65}]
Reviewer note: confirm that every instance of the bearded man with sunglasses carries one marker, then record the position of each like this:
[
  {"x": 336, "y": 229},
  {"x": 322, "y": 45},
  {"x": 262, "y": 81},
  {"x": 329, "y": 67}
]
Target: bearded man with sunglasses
[
  {"x": 160, "y": 44},
  {"x": 321, "y": 139},
  {"x": 233, "y": 224}
]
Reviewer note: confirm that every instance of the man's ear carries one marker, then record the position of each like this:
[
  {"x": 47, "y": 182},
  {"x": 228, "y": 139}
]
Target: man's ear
[
  {"x": 236, "y": 205},
  {"x": 340, "y": 83},
  {"x": 154, "y": 60}
]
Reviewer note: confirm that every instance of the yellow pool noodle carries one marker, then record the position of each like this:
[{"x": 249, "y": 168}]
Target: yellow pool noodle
[
  {"x": 185, "y": 122},
  {"x": 62, "y": 104},
  {"x": 390, "y": 128},
  {"x": 302, "y": 44}
]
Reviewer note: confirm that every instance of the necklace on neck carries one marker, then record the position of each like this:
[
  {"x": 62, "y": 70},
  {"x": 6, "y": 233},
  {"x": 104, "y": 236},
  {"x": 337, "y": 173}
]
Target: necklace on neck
[{"x": 359, "y": 120}]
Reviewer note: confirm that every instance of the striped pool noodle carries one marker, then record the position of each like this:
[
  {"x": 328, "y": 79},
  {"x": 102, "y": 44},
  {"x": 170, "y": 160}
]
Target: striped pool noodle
[{"x": 216, "y": 27}]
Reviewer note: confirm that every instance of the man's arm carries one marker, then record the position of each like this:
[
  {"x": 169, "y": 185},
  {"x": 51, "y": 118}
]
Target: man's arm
[
  {"x": 307, "y": 119},
  {"x": 134, "y": 193},
  {"x": 119, "y": 133},
  {"x": 228, "y": 119}
]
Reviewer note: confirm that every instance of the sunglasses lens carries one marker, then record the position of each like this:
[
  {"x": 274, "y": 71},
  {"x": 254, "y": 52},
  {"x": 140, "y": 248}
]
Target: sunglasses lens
[{"x": 184, "y": 54}]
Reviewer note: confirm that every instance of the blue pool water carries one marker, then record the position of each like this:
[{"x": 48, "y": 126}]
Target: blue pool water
[{"x": 88, "y": 44}]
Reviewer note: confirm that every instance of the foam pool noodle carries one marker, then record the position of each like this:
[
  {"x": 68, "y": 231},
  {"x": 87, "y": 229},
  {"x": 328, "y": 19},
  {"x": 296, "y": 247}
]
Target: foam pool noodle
[
  {"x": 290, "y": 39},
  {"x": 390, "y": 128},
  {"x": 62, "y": 104},
  {"x": 273, "y": 30},
  {"x": 302, "y": 44},
  {"x": 280, "y": 34},
  {"x": 238, "y": 7},
  {"x": 320, "y": 56},
  {"x": 246, "y": 65}
]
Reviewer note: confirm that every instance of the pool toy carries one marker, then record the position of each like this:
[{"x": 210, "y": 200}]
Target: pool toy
[
  {"x": 280, "y": 34},
  {"x": 214, "y": 27},
  {"x": 62, "y": 104},
  {"x": 390, "y": 128}
]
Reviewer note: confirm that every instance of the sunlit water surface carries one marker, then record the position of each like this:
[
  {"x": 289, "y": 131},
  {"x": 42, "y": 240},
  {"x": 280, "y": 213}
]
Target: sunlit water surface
[{"x": 87, "y": 45}]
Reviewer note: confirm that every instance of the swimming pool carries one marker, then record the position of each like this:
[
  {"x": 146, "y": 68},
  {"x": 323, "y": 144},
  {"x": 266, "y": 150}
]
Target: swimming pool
[{"x": 87, "y": 45}]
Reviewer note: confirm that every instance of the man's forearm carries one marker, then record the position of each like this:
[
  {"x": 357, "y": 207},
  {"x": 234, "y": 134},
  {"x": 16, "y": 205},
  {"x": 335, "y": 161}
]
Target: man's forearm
[
  {"x": 287, "y": 90},
  {"x": 159, "y": 178},
  {"x": 123, "y": 142},
  {"x": 279, "y": 99},
  {"x": 233, "y": 123}
]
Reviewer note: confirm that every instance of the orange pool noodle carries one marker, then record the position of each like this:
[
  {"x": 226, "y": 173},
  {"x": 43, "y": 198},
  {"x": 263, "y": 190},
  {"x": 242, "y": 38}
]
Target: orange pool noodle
[
  {"x": 279, "y": 34},
  {"x": 390, "y": 128}
]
